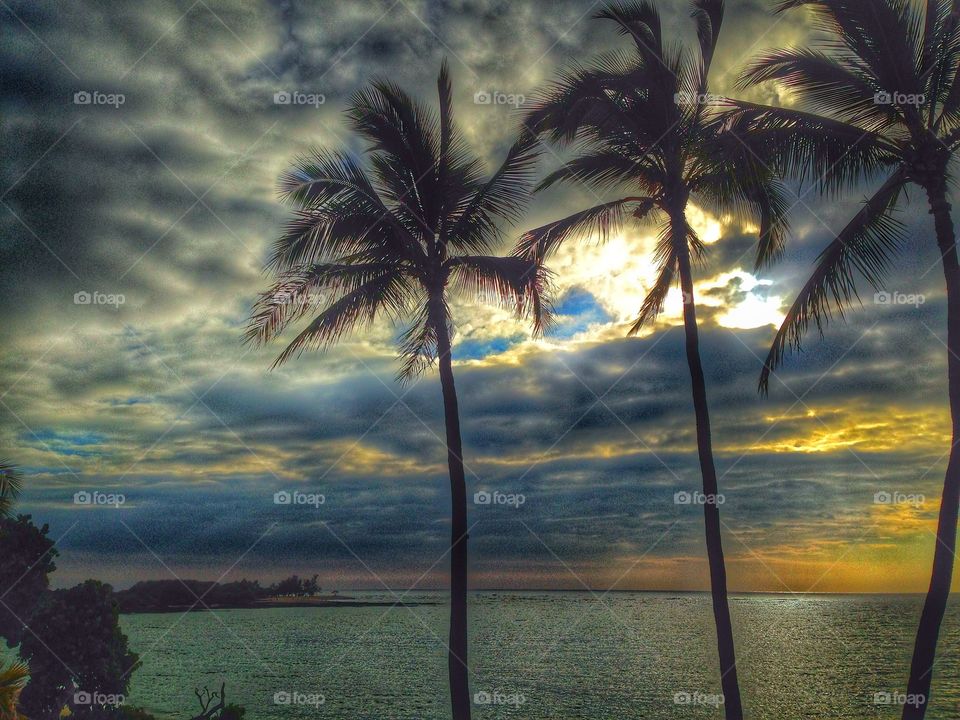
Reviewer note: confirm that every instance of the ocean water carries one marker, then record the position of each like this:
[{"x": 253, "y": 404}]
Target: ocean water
[{"x": 546, "y": 655}]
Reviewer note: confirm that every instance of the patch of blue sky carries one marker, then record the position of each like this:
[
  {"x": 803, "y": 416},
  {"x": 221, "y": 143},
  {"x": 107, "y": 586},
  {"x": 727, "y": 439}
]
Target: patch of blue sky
[
  {"x": 471, "y": 349},
  {"x": 65, "y": 443},
  {"x": 575, "y": 312}
]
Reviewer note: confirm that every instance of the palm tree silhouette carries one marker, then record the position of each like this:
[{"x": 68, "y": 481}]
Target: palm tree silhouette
[
  {"x": 884, "y": 100},
  {"x": 642, "y": 122},
  {"x": 11, "y": 482},
  {"x": 393, "y": 241}
]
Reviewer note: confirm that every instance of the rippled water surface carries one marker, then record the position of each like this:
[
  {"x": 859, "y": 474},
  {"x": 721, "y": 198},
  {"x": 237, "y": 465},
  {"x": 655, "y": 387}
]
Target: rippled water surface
[{"x": 546, "y": 655}]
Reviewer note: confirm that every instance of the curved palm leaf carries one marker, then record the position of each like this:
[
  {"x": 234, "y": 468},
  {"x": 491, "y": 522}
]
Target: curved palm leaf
[
  {"x": 866, "y": 247},
  {"x": 600, "y": 221},
  {"x": 514, "y": 281},
  {"x": 13, "y": 678},
  {"x": 11, "y": 483}
]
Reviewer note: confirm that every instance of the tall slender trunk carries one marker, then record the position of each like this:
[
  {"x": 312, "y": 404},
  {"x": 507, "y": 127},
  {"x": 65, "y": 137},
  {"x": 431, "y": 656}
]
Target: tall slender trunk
[
  {"x": 733, "y": 708},
  {"x": 457, "y": 648},
  {"x": 925, "y": 646}
]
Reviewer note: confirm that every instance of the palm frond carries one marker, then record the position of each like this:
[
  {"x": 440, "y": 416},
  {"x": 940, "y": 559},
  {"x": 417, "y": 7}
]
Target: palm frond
[
  {"x": 389, "y": 293},
  {"x": 864, "y": 247},
  {"x": 654, "y": 301},
  {"x": 881, "y": 35},
  {"x": 944, "y": 71},
  {"x": 639, "y": 20},
  {"x": 516, "y": 282},
  {"x": 501, "y": 199},
  {"x": 323, "y": 235},
  {"x": 327, "y": 187},
  {"x": 13, "y": 678},
  {"x": 613, "y": 96},
  {"x": 404, "y": 139},
  {"x": 417, "y": 345},
  {"x": 823, "y": 82},
  {"x": 708, "y": 15},
  {"x": 607, "y": 169},
  {"x": 300, "y": 290},
  {"x": 831, "y": 153},
  {"x": 11, "y": 485},
  {"x": 445, "y": 95},
  {"x": 321, "y": 176},
  {"x": 601, "y": 221},
  {"x": 937, "y": 58},
  {"x": 396, "y": 125},
  {"x": 754, "y": 193}
]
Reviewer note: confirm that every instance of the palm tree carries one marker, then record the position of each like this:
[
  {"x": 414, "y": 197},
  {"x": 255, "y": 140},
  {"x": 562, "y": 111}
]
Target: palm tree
[
  {"x": 11, "y": 482},
  {"x": 394, "y": 240},
  {"x": 642, "y": 123},
  {"x": 882, "y": 99},
  {"x": 13, "y": 678}
]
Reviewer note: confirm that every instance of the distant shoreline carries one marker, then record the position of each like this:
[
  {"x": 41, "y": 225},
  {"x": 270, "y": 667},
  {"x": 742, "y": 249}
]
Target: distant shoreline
[{"x": 269, "y": 603}]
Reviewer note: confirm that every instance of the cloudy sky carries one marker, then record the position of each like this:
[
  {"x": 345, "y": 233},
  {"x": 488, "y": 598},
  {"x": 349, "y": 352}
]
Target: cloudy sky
[{"x": 162, "y": 208}]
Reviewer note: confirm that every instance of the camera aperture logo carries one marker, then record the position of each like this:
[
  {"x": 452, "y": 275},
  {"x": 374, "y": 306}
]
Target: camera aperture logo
[
  {"x": 899, "y": 98},
  {"x": 485, "y": 497},
  {"x": 898, "y": 698},
  {"x": 97, "y": 699},
  {"x": 298, "y": 97},
  {"x": 686, "y": 697},
  {"x": 884, "y": 497},
  {"x": 303, "y": 299},
  {"x": 293, "y": 697},
  {"x": 498, "y": 697},
  {"x": 96, "y": 297},
  {"x": 693, "y": 98},
  {"x": 899, "y": 298},
  {"x": 95, "y": 497},
  {"x": 495, "y": 97},
  {"x": 682, "y": 497},
  {"x": 95, "y": 97},
  {"x": 295, "y": 497}
]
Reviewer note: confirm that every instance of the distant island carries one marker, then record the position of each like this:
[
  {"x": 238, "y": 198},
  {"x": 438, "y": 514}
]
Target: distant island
[{"x": 157, "y": 596}]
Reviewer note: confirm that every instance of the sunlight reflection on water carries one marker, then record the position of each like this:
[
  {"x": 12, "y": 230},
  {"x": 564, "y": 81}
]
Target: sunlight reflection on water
[{"x": 544, "y": 656}]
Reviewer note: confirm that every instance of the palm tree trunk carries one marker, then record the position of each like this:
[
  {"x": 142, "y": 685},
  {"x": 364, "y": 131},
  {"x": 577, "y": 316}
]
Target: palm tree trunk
[
  {"x": 733, "y": 708},
  {"x": 925, "y": 646},
  {"x": 457, "y": 647}
]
